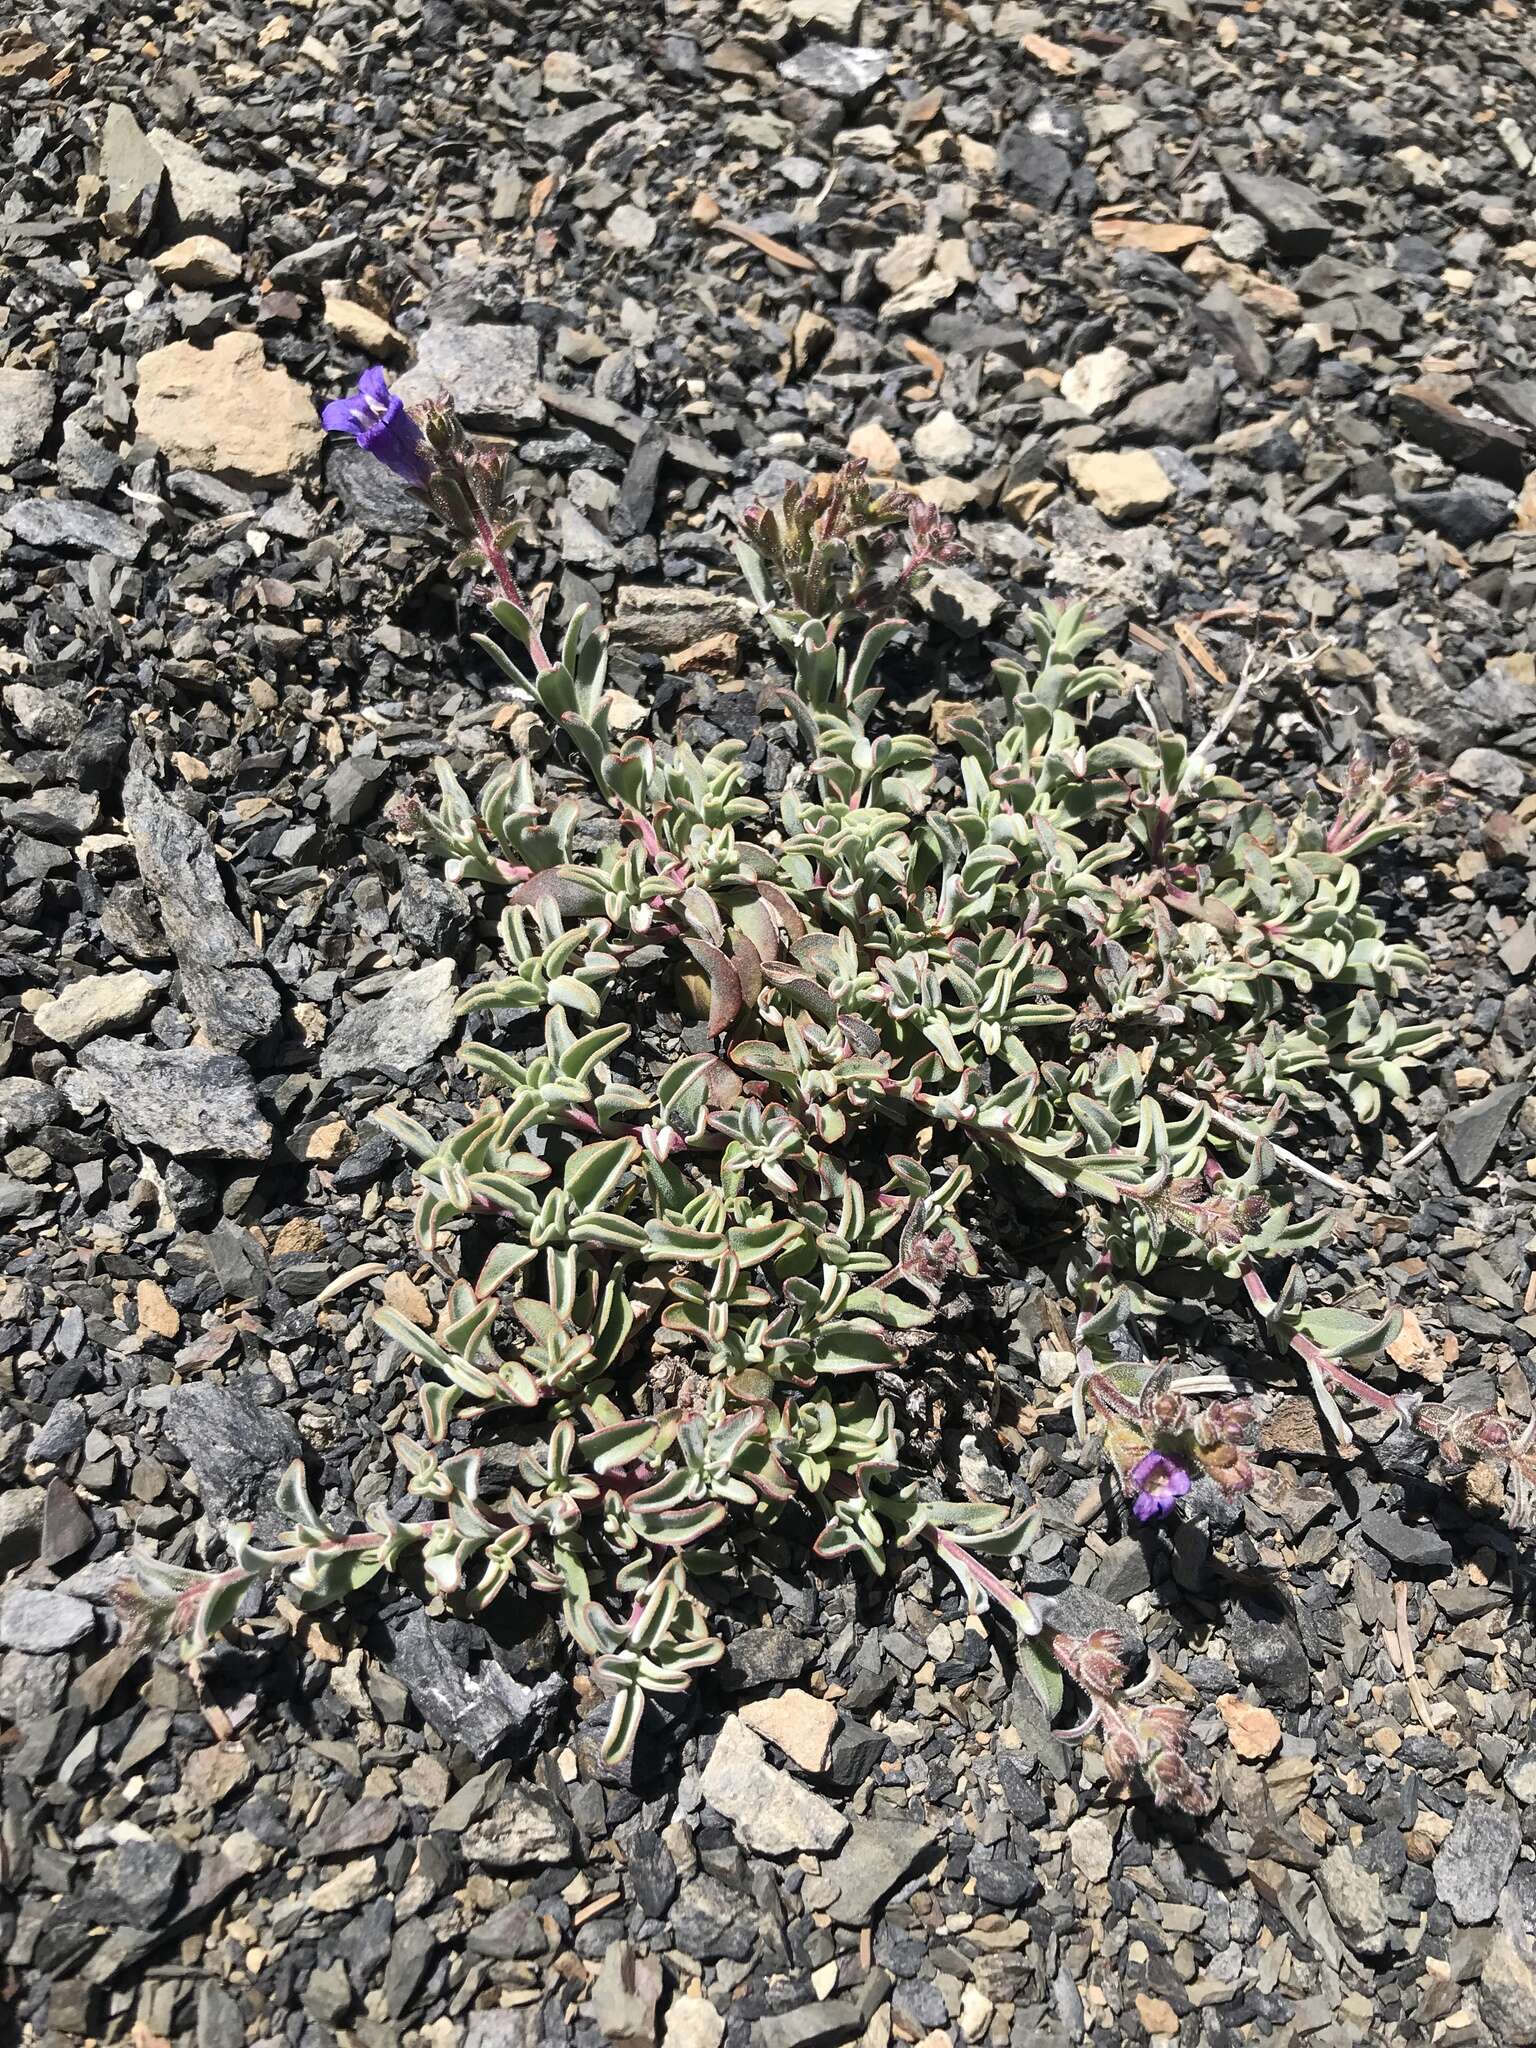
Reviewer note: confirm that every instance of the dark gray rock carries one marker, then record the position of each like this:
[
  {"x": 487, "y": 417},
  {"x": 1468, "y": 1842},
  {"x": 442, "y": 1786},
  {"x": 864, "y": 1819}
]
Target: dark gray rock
[
  {"x": 514, "y": 1933},
  {"x": 26, "y": 1106},
  {"x": 1184, "y": 411},
  {"x": 225, "y": 979},
  {"x": 764, "y": 1656},
  {"x": 1464, "y": 438},
  {"x": 432, "y": 912},
  {"x": 856, "y": 1751},
  {"x": 1470, "y": 1136},
  {"x": 1413, "y": 1546},
  {"x": 819, "y": 2024},
  {"x": 190, "y": 1102},
  {"x": 313, "y": 265},
  {"x": 457, "y": 1686},
  {"x": 73, "y": 527},
  {"x": 1224, "y": 316},
  {"x": 238, "y": 1448},
  {"x": 651, "y": 1875},
  {"x": 1270, "y": 1656},
  {"x": 1033, "y": 168},
  {"x": 1295, "y": 223},
  {"x": 352, "y": 789},
  {"x": 711, "y": 1919},
  {"x": 134, "y": 1884},
  {"x": 572, "y": 132},
  {"x": 37, "y": 1620},
  {"x": 410, "y": 1958},
  {"x": 372, "y": 495},
  {"x": 1465, "y": 513}
]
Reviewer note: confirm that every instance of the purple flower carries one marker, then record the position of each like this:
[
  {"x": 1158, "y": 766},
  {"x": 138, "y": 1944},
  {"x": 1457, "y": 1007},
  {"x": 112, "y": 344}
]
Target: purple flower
[
  {"x": 378, "y": 421},
  {"x": 1159, "y": 1481}
]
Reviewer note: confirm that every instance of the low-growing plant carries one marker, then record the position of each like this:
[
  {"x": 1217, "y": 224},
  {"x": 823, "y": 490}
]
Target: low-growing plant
[{"x": 1065, "y": 978}]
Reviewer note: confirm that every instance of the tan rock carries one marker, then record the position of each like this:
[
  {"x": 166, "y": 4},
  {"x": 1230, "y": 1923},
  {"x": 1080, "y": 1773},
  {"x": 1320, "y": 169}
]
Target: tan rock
[
  {"x": 1157, "y": 2015},
  {"x": 796, "y": 1722},
  {"x": 223, "y": 411},
  {"x": 693, "y": 2023},
  {"x": 772, "y": 1813},
  {"x": 329, "y": 1142},
  {"x": 201, "y": 261},
  {"x": 872, "y": 444},
  {"x": 1129, "y": 485},
  {"x": 299, "y": 1234},
  {"x": 944, "y": 440},
  {"x": 364, "y": 328},
  {"x": 976, "y": 2011},
  {"x": 1253, "y": 1731},
  {"x": 157, "y": 1312},
  {"x": 1096, "y": 381},
  {"x": 102, "y": 1002},
  {"x": 1093, "y": 1848},
  {"x": 406, "y": 1299}
]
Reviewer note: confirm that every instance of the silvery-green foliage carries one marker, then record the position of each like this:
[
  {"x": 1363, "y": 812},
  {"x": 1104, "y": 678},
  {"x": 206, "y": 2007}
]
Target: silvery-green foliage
[{"x": 1071, "y": 973}]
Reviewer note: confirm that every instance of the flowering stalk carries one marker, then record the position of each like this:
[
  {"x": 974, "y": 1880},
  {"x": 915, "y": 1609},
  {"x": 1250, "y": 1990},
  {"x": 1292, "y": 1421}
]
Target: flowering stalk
[
  {"x": 1151, "y": 1741},
  {"x": 434, "y": 459}
]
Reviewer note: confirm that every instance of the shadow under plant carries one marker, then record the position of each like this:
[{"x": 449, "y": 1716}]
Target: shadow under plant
[{"x": 766, "y": 1066}]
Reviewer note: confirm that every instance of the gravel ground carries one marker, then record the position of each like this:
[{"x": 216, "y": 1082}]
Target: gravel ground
[{"x": 1219, "y": 315}]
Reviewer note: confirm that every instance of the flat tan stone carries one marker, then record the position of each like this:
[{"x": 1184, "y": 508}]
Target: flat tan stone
[
  {"x": 1128, "y": 485},
  {"x": 199, "y": 261},
  {"x": 364, "y": 328},
  {"x": 796, "y": 1722},
  {"x": 872, "y": 444},
  {"x": 157, "y": 1312},
  {"x": 406, "y": 1299},
  {"x": 223, "y": 411},
  {"x": 1254, "y": 1731}
]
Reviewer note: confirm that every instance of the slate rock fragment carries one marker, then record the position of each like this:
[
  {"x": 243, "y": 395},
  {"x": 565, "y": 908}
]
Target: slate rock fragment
[
  {"x": 135, "y": 1883},
  {"x": 237, "y": 1446},
  {"x": 372, "y": 495},
  {"x": 397, "y": 1031},
  {"x": 877, "y": 1856},
  {"x": 37, "y": 1620},
  {"x": 190, "y": 1102},
  {"x": 1296, "y": 225},
  {"x": 1470, "y": 1136},
  {"x": 1184, "y": 411},
  {"x": 1462, "y": 437},
  {"x": 836, "y": 70},
  {"x": 73, "y": 527},
  {"x": 490, "y": 372},
  {"x": 1412, "y": 1546},
  {"x": 1034, "y": 168},
  {"x": 1466, "y": 512},
  {"x": 457, "y": 1686},
  {"x": 1474, "y": 1860},
  {"x": 26, "y": 414}
]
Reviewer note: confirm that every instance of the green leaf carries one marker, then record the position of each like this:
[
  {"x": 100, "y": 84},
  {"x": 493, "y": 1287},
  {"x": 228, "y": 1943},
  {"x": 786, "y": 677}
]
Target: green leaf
[
  {"x": 1042, "y": 1675},
  {"x": 593, "y": 1171}
]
